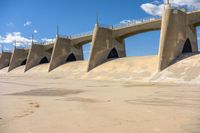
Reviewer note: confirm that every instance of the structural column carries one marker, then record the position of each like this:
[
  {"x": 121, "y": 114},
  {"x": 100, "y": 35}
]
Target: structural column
[
  {"x": 19, "y": 57},
  {"x": 5, "y": 59},
  {"x": 65, "y": 51},
  {"x": 104, "y": 47},
  {"x": 177, "y": 37},
  {"x": 38, "y": 54}
]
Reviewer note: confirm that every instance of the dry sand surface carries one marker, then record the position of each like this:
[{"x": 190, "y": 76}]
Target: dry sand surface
[
  {"x": 55, "y": 105},
  {"x": 121, "y": 96}
]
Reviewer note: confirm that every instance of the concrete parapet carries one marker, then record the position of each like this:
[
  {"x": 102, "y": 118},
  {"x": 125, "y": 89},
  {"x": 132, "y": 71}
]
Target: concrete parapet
[
  {"x": 5, "y": 59},
  {"x": 104, "y": 47},
  {"x": 19, "y": 57},
  {"x": 177, "y": 37},
  {"x": 38, "y": 54},
  {"x": 65, "y": 50}
]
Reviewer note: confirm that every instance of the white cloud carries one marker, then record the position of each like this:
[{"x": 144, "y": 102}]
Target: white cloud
[
  {"x": 155, "y": 8},
  {"x": 35, "y": 31},
  {"x": 27, "y": 23},
  {"x": 48, "y": 40},
  {"x": 10, "y": 38},
  {"x": 125, "y": 21},
  {"x": 152, "y": 9}
]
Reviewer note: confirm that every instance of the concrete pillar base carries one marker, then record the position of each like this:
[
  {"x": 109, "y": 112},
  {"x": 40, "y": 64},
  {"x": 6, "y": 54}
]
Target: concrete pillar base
[
  {"x": 64, "y": 51},
  {"x": 176, "y": 37},
  {"x": 19, "y": 57},
  {"x": 38, "y": 54},
  {"x": 5, "y": 59},
  {"x": 104, "y": 47}
]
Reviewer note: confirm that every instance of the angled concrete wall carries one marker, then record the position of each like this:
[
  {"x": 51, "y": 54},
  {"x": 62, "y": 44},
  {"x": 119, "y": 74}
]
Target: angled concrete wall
[
  {"x": 174, "y": 33},
  {"x": 36, "y": 54},
  {"x": 19, "y": 57},
  {"x": 102, "y": 44},
  {"x": 5, "y": 59},
  {"x": 63, "y": 48}
]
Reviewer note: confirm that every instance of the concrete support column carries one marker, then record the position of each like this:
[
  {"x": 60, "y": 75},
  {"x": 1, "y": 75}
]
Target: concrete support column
[
  {"x": 103, "y": 43},
  {"x": 63, "y": 48},
  {"x": 19, "y": 57},
  {"x": 36, "y": 54},
  {"x": 5, "y": 59},
  {"x": 175, "y": 31}
]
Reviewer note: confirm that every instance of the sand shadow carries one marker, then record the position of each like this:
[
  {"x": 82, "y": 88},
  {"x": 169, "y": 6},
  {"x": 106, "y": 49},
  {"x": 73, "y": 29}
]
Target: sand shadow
[{"x": 47, "y": 92}]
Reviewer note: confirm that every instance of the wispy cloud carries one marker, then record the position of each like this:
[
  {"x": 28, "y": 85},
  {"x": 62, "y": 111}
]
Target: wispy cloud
[
  {"x": 35, "y": 31},
  {"x": 27, "y": 23},
  {"x": 11, "y": 38},
  {"x": 155, "y": 8},
  {"x": 48, "y": 40}
]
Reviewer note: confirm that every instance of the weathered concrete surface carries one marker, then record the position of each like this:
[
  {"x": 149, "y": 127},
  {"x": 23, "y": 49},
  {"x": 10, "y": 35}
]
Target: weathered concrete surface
[
  {"x": 5, "y": 59},
  {"x": 175, "y": 33},
  {"x": 37, "y": 53},
  {"x": 194, "y": 18},
  {"x": 19, "y": 57},
  {"x": 65, "y": 48},
  {"x": 102, "y": 45}
]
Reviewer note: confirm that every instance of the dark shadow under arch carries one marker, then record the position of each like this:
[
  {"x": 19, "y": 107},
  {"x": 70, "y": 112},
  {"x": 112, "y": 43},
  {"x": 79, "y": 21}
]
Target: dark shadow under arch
[
  {"x": 187, "y": 48},
  {"x": 44, "y": 60},
  {"x": 113, "y": 54},
  {"x": 24, "y": 62},
  {"x": 71, "y": 57}
]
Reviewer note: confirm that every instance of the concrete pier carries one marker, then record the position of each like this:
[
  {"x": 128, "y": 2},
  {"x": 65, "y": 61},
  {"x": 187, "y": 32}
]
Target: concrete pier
[
  {"x": 5, "y": 59},
  {"x": 178, "y": 35},
  {"x": 38, "y": 54},
  {"x": 67, "y": 50},
  {"x": 19, "y": 57}
]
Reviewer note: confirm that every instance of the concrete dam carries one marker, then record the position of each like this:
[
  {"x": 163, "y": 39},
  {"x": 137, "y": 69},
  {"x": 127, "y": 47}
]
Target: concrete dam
[{"x": 178, "y": 59}]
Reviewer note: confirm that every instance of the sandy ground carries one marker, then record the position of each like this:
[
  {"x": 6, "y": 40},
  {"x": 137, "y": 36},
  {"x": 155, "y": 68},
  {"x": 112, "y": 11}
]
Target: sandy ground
[{"x": 29, "y": 104}]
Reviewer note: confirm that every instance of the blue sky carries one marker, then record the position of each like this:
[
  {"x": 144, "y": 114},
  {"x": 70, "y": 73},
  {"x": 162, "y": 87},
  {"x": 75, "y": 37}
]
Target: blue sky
[{"x": 24, "y": 17}]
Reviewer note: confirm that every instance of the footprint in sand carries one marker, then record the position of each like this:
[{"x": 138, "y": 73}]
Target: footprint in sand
[{"x": 29, "y": 110}]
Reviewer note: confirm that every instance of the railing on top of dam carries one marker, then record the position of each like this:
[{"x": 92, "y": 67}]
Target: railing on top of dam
[
  {"x": 45, "y": 42},
  {"x": 128, "y": 23},
  {"x": 77, "y": 35}
]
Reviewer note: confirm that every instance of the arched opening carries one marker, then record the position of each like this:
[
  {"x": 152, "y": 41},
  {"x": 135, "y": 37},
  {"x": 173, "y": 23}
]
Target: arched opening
[
  {"x": 24, "y": 62},
  {"x": 143, "y": 44},
  {"x": 70, "y": 58},
  {"x": 44, "y": 60},
  {"x": 86, "y": 51},
  {"x": 113, "y": 54},
  {"x": 187, "y": 48}
]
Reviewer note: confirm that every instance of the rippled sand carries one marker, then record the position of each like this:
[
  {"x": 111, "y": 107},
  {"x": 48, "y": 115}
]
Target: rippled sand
[{"x": 31, "y": 104}]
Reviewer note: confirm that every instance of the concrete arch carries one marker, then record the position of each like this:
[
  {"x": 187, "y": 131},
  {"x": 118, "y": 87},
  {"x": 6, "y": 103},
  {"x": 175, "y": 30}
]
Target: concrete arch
[{"x": 71, "y": 57}]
